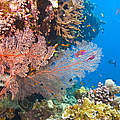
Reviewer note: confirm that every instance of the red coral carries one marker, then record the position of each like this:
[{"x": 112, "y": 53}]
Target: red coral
[{"x": 20, "y": 50}]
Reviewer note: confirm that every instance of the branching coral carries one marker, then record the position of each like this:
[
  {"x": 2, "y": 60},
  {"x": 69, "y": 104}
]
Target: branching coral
[
  {"x": 102, "y": 93},
  {"x": 89, "y": 110},
  {"x": 106, "y": 93},
  {"x": 68, "y": 20},
  {"x": 76, "y": 21}
]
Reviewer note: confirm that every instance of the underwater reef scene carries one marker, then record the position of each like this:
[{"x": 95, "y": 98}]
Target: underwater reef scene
[{"x": 46, "y": 48}]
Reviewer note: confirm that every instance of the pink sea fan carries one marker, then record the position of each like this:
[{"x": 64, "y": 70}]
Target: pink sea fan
[
  {"x": 21, "y": 49},
  {"x": 9, "y": 84},
  {"x": 55, "y": 79}
]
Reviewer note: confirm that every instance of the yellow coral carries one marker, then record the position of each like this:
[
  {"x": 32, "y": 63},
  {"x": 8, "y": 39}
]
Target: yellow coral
[
  {"x": 2, "y": 118},
  {"x": 82, "y": 90},
  {"x": 89, "y": 110}
]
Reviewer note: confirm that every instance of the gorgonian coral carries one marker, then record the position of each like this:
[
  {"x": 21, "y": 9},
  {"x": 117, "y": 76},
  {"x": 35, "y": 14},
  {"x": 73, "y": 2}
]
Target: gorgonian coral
[
  {"x": 19, "y": 54},
  {"x": 76, "y": 60},
  {"x": 54, "y": 79},
  {"x": 20, "y": 50}
]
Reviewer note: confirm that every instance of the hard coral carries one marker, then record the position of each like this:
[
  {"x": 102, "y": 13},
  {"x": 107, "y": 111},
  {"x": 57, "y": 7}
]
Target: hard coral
[
  {"x": 90, "y": 110},
  {"x": 105, "y": 94},
  {"x": 101, "y": 93},
  {"x": 76, "y": 21},
  {"x": 40, "y": 111},
  {"x": 81, "y": 93}
]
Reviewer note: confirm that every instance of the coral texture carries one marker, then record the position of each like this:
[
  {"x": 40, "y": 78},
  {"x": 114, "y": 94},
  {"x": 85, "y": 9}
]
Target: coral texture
[
  {"x": 89, "y": 110},
  {"x": 70, "y": 66},
  {"x": 102, "y": 93},
  {"x": 20, "y": 50},
  {"x": 20, "y": 54},
  {"x": 16, "y": 15},
  {"x": 69, "y": 17}
]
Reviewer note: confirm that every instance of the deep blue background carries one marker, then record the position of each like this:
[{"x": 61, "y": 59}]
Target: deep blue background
[{"x": 109, "y": 41}]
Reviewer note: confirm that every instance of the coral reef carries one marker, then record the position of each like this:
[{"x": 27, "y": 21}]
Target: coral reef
[
  {"x": 106, "y": 94},
  {"x": 90, "y": 110},
  {"x": 33, "y": 34},
  {"x": 69, "y": 100},
  {"x": 41, "y": 110},
  {"x": 81, "y": 93},
  {"x": 8, "y": 113},
  {"x": 16, "y": 15},
  {"x": 45, "y": 16},
  {"x": 68, "y": 19},
  {"x": 22, "y": 50},
  {"x": 21, "y": 53},
  {"x": 71, "y": 66},
  {"x": 114, "y": 89},
  {"x": 74, "y": 21},
  {"x": 101, "y": 93},
  {"x": 41, "y": 83}
]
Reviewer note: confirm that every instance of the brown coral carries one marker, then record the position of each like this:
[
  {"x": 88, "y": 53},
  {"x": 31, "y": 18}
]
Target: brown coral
[{"x": 69, "y": 17}]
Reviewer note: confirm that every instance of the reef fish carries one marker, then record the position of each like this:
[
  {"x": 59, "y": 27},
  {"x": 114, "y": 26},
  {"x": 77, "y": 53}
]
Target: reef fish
[
  {"x": 93, "y": 30},
  {"x": 118, "y": 11},
  {"x": 67, "y": 45},
  {"x": 56, "y": 45},
  {"x": 102, "y": 15},
  {"x": 88, "y": 25},
  {"x": 80, "y": 52},
  {"x": 91, "y": 58},
  {"x": 112, "y": 62}
]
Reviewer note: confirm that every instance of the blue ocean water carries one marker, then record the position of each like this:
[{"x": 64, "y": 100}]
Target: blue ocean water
[{"x": 109, "y": 40}]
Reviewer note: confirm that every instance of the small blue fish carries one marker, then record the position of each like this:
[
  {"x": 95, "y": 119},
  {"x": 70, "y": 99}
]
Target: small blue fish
[{"x": 112, "y": 62}]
